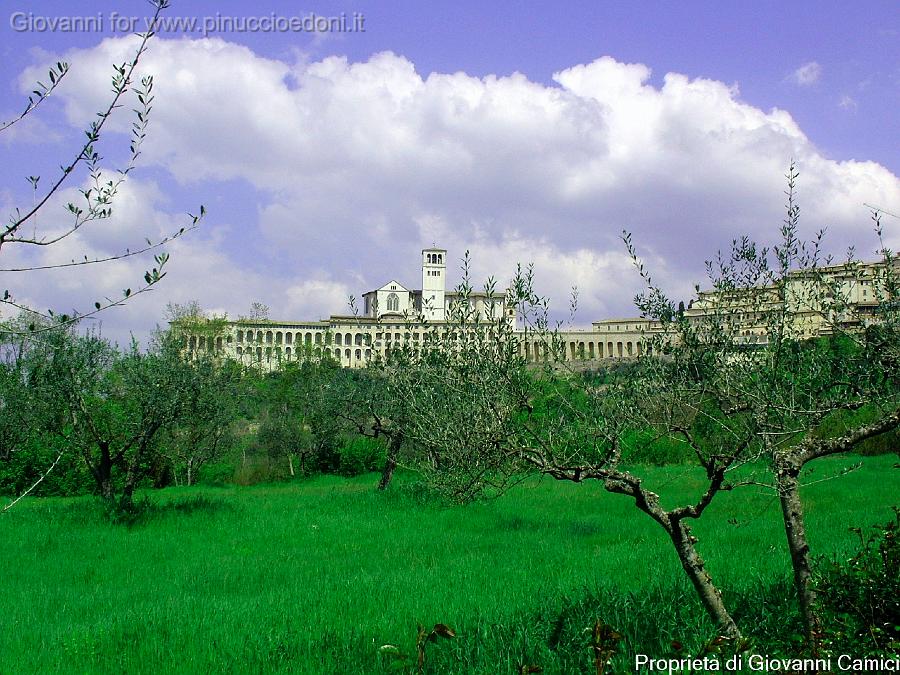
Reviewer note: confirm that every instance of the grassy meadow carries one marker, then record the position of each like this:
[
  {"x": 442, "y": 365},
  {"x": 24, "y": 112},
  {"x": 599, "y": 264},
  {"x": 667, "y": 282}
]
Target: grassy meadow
[{"x": 313, "y": 576}]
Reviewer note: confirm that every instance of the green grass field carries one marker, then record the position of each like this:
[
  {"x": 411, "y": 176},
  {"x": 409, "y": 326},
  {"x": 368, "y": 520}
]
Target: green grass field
[{"x": 314, "y": 576}]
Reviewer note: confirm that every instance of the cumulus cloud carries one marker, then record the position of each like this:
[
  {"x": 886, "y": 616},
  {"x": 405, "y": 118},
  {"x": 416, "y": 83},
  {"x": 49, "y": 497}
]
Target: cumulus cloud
[
  {"x": 807, "y": 74},
  {"x": 354, "y": 167}
]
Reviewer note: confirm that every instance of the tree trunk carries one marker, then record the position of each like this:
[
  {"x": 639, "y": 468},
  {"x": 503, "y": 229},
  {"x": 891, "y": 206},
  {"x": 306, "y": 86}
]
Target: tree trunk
[
  {"x": 188, "y": 474},
  {"x": 695, "y": 568},
  {"x": 788, "y": 484},
  {"x": 396, "y": 440},
  {"x": 131, "y": 477},
  {"x": 103, "y": 474},
  {"x": 291, "y": 463}
]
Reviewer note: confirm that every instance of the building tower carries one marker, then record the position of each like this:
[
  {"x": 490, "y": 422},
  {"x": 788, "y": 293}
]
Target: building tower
[{"x": 434, "y": 278}]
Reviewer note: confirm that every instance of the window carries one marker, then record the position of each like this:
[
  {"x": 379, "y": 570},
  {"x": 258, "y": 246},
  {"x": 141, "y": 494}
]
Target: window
[{"x": 393, "y": 303}]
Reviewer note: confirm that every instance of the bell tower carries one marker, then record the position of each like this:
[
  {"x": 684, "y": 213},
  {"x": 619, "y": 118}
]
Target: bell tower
[{"x": 434, "y": 279}]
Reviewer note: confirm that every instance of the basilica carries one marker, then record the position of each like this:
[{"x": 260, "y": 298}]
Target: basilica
[{"x": 394, "y": 314}]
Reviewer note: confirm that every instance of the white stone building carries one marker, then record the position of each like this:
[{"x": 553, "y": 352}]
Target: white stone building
[{"x": 394, "y": 314}]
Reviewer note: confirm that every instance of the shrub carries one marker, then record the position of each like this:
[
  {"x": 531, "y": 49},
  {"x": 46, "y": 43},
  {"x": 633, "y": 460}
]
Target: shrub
[
  {"x": 360, "y": 454},
  {"x": 860, "y": 598}
]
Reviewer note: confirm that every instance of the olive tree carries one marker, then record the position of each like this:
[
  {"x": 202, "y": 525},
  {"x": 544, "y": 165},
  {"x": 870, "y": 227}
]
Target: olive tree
[
  {"x": 779, "y": 364},
  {"x": 795, "y": 359},
  {"x": 116, "y": 404},
  {"x": 484, "y": 417},
  {"x": 364, "y": 401},
  {"x": 297, "y": 418},
  {"x": 203, "y": 432}
]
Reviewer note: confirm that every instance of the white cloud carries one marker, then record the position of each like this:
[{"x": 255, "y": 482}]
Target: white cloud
[
  {"x": 356, "y": 166},
  {"x": 807, "y": 74}
]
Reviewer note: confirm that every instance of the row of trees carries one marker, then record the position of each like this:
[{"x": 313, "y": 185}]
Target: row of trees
[
  {"x": 77, "y": 402},
  {"x": 80, "y": 414}
]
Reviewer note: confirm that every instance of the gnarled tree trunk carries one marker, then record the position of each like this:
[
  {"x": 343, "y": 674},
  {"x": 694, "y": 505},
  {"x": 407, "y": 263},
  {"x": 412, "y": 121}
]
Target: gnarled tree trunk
[
  {"x": 788, "y": 485},
  {"x": 390, "y": 464},
  {"x": 695, "y": 567}
]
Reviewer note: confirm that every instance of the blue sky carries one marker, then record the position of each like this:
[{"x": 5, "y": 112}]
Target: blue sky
[{"x": 526, "y": 132}]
